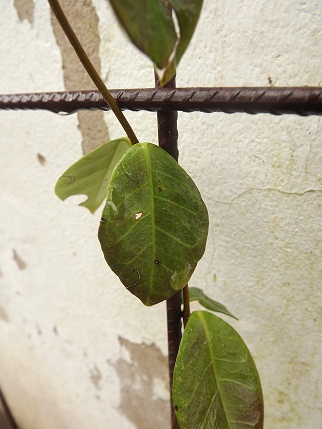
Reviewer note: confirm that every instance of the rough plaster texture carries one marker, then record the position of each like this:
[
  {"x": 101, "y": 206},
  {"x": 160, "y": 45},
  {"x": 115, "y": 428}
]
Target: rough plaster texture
[{"x": 71, "y": 336}]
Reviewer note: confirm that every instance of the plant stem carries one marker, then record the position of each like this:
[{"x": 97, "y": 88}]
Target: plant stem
[
  {"x": 174, "y": 316},
  {"x": 168, "y": 140},
  {"x": 79, "y": 50},
  {"x": 186, "y": 305}
]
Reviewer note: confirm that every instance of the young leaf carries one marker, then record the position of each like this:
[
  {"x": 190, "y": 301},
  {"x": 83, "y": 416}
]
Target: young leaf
[
  {"x": 216, "y": 383},
  {"x": 196, "y": 294},
  {"x": 150, "y": 26},
  {"x": 154, "y": 225},
  {"x": 90, "y": 174}
]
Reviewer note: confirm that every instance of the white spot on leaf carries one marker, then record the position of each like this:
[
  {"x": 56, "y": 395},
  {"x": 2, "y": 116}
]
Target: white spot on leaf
[{"x": 138, "y": 215}]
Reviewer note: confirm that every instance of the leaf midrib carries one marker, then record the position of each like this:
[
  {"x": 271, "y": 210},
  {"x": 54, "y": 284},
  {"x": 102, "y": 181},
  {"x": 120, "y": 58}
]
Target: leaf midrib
[
  {"x": 212, "y": 357},
  {"x": 151, "y": 196}
]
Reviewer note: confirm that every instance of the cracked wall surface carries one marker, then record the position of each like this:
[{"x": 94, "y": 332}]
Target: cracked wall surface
[{"x": 77, "y": 350}]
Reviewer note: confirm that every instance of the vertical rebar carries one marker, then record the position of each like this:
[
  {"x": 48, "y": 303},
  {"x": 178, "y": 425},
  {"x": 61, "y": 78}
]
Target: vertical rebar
[{"x": 168, "y": 140}]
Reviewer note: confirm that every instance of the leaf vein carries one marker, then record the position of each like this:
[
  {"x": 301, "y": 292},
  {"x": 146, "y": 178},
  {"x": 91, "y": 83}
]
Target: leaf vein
[
  {"x": 173, "y": 237},
  {"x": 174, "y": 203}
]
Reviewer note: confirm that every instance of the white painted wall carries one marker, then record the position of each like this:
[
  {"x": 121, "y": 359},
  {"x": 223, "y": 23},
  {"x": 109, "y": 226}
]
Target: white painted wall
[{"x": 62, "y": 311}]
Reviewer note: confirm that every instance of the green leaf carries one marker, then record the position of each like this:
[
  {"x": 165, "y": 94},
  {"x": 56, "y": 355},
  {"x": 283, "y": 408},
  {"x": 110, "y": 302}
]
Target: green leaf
[
  {"x": 154, "y": 225},
  {"x": 216, "y": 384},
  {"x": 90, "y": 174},
  {"x": 196, "y": 294},
  {"x": 150, "y": 26},
  {"x": 187, "y": 13}
]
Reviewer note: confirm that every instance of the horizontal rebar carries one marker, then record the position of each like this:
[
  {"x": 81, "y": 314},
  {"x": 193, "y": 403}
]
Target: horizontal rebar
[{"x": 302, "y": 101}]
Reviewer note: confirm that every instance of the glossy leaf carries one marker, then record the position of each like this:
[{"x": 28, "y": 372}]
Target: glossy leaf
[
  {"x": 196, "y": 294},
  {"x": 154, "y": 225},
  {"x": 216, "y": 384},
  {"x": 91, "y": 173},
  {"x": 150, "y": 26}
]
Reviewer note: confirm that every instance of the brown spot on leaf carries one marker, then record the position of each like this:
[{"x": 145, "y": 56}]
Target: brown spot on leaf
[
  {"x": 144, "y": 385},
  {"x": 160, "y": 189},
  {"x": 19, "y": 261}
]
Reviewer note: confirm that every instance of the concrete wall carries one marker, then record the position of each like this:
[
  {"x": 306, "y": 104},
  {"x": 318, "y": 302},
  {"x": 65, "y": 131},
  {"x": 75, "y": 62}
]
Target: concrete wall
[{"x": 76, "y": 349}]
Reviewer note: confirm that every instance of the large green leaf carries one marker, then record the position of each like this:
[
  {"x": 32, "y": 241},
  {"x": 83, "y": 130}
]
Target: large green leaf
[
  {"x": 154, "y": 225},
  {"x": 196, "y": 294},
  {"x": 90, "y": 174},
  {"x": 150, "y": 26},
  {"x": 216, "y": 383}
]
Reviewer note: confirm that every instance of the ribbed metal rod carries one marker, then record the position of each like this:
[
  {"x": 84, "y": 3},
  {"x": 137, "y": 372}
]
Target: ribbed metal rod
[
  {"x": 168, "y": 140},
  {"x": 302, "y": 101}
]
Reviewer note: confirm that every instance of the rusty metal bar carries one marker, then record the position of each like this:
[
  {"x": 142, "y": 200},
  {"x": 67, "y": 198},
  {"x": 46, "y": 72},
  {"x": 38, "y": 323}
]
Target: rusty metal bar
[
  {"x": 302, "y": 101},
  {"x": 168, "y": 140}
]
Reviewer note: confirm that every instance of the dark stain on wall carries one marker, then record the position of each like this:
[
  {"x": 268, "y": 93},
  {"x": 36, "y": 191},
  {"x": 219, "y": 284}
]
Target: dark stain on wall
[
  {"x": 96, "y": 376},
  {"x": 18, "y": 260},
  {"x": 140, "y": 401},
  {"x": 41, "y": 159},
  {"x": 3, "y": 316},
  {"x": 25, "y": 10},
  {"x": 84, "y": 20}
]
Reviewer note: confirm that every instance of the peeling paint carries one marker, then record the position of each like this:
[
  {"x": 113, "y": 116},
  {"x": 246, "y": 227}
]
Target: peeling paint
[
  {"x": 84, "y": 20},
  {"x": 25, "y": 10},
  {"x": 144, "y": 385},
  {"x": 19, "y": 261}
]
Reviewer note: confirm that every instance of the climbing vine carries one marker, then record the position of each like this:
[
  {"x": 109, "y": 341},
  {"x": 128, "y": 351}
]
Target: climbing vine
[{"x": 154, "y": 227}]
